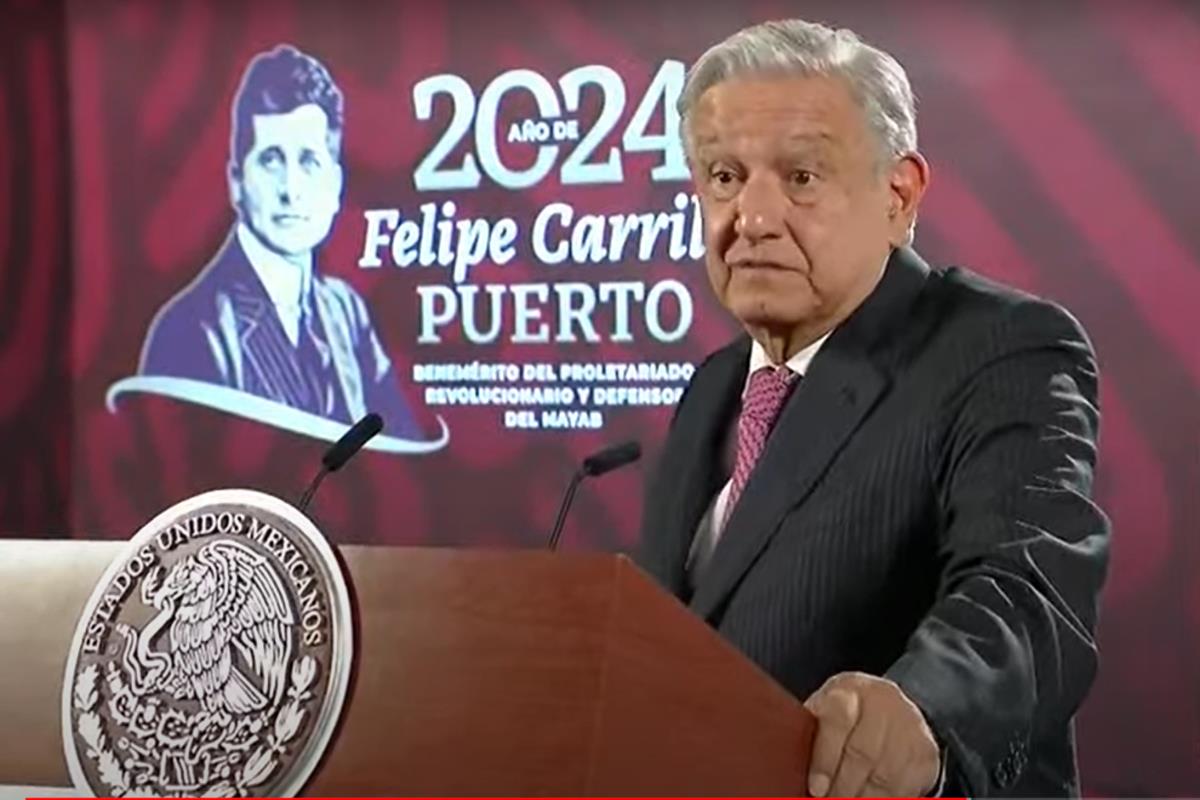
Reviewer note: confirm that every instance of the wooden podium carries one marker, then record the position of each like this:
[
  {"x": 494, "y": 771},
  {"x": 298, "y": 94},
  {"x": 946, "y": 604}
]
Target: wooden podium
[{"x": 476, "y": 673}]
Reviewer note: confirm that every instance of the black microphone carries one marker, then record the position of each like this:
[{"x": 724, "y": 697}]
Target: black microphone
[
  {"x": 594, "y": 465},
  {"x": 352, "y": 441},
  {"x": 342, "y": 451},
  {"x": 611, "y": 458}
]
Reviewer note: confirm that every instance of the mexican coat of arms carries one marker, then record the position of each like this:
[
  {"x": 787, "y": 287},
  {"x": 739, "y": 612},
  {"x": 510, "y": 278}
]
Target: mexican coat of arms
[{"x": 213, "y": 656}]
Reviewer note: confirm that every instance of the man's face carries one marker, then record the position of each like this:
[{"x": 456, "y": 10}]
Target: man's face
[
  {"x": 799, "y": 216},
  {"x": 289, "y": 185}
]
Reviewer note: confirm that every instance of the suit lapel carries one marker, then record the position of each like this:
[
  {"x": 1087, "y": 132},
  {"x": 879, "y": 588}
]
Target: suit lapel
[
  {"x": 705, "y": 423},
  {"x": 844, "y": 383},
  {"x": 252, "y": 309},
  {"x": 336, "y": 325},
  {"x": 827, "y": 407},
  {"x": 252, "y": 312}
]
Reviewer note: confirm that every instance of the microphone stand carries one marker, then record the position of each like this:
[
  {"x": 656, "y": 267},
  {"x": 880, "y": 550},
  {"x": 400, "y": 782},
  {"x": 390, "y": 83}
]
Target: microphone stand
[
  {"x": 307, "y": 497},
  {"x": 576, "y": 479}
]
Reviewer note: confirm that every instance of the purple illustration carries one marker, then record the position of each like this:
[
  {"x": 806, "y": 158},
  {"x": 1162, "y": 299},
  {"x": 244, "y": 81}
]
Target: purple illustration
[{"x": 260, "y": 318}]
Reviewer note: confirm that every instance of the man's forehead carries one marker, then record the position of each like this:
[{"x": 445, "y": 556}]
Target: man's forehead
[
  {"x": 798, "y": 139},
  {"x": 794, "y": 111},
  {"x": 776, "y": 90},
  {"x": 306, "y": 123}
]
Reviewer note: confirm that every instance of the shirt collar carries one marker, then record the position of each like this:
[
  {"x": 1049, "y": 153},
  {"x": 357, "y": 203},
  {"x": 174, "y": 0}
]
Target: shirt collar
[
  {"x": 798, "y": 363},
  {"x": 286, "y": 284}
]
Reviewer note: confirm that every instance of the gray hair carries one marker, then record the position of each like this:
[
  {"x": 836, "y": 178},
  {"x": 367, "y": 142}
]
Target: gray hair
[{"x": 794, "y": 46}]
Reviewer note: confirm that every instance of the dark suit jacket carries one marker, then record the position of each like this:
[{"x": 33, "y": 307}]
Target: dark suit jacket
[
  {"x": 921, "y": 511},
  {"x": 223, "y": 329}
]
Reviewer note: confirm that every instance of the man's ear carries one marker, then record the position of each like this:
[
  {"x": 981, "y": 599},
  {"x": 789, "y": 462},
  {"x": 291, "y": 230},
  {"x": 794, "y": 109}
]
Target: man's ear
[
  {"x": 234, "y": 176},
  {"x": 908, "y": 181},
  {"x": 339, "y": 182}
]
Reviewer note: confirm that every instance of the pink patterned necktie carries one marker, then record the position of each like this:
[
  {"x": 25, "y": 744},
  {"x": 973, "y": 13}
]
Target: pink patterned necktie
[{"x": 769, "y": 388}]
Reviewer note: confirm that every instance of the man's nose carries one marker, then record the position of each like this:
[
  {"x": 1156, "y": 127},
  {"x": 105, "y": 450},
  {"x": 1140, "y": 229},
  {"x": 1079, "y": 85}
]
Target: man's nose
[
  {"x": 290, "y": 183},
  {"x": 762, "y": 205}
]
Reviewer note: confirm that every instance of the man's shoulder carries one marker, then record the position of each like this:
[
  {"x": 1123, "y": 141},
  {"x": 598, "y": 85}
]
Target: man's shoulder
[
  {"x": 183, "y": 324},
  {"x": 196, "y": 301},
  {"x": 967, "y": 297},
  {"x": 227, "y": 267},
  {"x": 987, "y": 314},
  {"x": 185, "y": 310}
]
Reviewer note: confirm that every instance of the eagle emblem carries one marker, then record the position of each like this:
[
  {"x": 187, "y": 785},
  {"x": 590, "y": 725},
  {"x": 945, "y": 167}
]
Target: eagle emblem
[
  {"x": 211, "y": 660},
  {"x": 229, "y": 625}
]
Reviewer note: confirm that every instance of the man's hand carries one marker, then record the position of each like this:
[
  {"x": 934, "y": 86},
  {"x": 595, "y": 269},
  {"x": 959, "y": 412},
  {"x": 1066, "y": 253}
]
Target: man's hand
[{"x": 871, "y": 741}]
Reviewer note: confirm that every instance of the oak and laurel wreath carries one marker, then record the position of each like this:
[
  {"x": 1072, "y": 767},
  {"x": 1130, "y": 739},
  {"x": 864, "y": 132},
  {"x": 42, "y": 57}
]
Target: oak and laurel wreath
[
  {"x": 257, "y": 769},
  {"x": 91, "y": 730}
]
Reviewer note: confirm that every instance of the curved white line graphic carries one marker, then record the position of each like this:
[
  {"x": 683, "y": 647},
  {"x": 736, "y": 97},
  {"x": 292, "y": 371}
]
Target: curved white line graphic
[{"x": 260, "y": 409}]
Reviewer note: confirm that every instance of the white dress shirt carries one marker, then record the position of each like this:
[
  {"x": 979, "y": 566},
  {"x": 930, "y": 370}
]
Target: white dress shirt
[
  {"x": 287, "y": 284},
  {"x": 709, "y": 533}
]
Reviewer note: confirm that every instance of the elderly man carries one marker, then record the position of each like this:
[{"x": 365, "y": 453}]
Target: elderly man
[{"x": 881, "y": 493}]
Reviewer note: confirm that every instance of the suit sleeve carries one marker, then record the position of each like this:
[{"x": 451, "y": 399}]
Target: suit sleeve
[
  {"x": 1007, "y": 651},
  {"x": 381, "y": 388}
]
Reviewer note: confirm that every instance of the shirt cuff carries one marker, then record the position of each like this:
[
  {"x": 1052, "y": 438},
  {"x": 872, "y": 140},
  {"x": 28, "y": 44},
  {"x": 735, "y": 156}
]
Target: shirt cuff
[{"x": 940, "y": 787}]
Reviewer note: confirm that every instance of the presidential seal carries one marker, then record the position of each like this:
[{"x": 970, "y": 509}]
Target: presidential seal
[{"x": 213, "y": 656}]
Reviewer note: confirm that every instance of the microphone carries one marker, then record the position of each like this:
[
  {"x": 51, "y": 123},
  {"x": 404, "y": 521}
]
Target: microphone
[
  {"x": 351, "y": 442},
  {"x": 342, "y": 451},
  {"x": 611, "y": 458},
  {"x": 594, "y": 465}
]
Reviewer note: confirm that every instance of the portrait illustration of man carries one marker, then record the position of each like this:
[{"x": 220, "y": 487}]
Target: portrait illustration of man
[{"x": 259, "y": 317}]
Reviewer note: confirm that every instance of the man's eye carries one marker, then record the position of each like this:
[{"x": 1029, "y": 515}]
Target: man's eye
[
  {"x": 310, "y": 160},
  {"x": 722, "y": 176},
  {"x": 270, "y": 158},
  {"x": 802, "y": 177}
]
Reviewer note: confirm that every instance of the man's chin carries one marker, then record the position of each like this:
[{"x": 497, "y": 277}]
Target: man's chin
[
  {"x": 764, "y": 310},
  {"x": 291, "y": 246}
]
